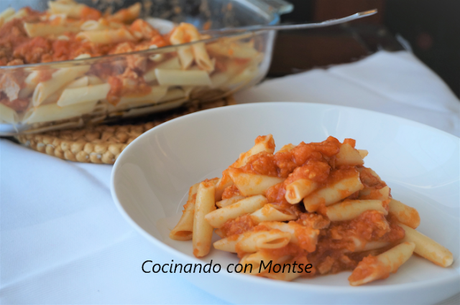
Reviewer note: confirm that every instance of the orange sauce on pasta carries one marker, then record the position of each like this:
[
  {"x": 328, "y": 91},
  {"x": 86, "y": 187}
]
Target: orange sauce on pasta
[
  {"x": 230, "y": 192},
  {"x": 89, "y": 13},
  {"x": 371, "y": 267},
  {"x": 238, "y": 225},
  {"x": 17, "y": 48},
  {"x": 116, "y": 88},
  {"x": 288, "y": 250},
  {"x": 17, "y": 105},
  {"x": 276, "y": 194},
  {"x": 334, "y": 249},
  {"x": 283, "y": 163},
  {"x": 261, "y": 164}
]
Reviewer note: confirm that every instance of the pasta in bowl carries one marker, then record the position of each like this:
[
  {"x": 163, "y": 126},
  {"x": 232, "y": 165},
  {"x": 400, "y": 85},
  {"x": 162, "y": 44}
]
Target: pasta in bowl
[
  {"x": 151, "y": 182},
  {"x": 72, "y": 64},
  {"x": 312, "y": 205}
]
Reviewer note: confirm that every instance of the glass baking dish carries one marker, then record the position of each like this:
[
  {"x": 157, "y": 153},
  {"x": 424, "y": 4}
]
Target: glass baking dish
[{"x": 69, "y": 94}]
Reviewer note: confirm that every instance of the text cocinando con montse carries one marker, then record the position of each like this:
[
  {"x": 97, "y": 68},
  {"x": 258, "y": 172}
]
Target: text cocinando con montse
[{"x": 150, "y": 266}]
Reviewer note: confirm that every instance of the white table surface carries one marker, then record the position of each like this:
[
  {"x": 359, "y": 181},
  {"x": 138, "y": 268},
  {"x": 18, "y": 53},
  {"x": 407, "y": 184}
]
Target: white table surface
[{"x": 62, "y": 241}]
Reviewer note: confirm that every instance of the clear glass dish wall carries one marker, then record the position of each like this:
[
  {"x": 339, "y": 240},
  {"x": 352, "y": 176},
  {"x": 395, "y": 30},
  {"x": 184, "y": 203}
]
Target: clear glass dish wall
[{"x": 67, "y": 94}]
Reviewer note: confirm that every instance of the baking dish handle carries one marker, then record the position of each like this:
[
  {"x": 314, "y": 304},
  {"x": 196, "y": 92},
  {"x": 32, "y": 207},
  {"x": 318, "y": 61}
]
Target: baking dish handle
[{"x": 278, "y": 7}]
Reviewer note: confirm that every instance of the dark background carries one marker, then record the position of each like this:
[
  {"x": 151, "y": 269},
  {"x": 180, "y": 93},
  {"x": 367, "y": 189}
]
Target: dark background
[{"x": 432, "y": 29}]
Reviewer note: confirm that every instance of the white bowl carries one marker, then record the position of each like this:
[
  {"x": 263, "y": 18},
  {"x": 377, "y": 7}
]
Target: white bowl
[{"x": 151, "y": 178}]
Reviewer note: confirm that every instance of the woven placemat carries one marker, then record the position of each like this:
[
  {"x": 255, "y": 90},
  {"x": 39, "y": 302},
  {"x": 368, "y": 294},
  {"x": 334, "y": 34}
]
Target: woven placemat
[{"x": 103, "y": 144}]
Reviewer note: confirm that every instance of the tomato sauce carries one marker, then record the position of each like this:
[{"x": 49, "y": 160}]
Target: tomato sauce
[
  {"x": 334, "y": 249},
  {"x": 89, "y": 13},
  {"x": 314, "y": 170},
  {"x": 238, "y": 225},
  {"x": 261, "y": 164},
  {"x": 276, "y": 194},
  {"x": 369, "y": 265},
  {"x": 17, "y": 105},
  {"x": 16, "y": 44},
  {"x": 313, "y": 220},
  {"x": 288, "y": 250},
  {"x": 230, "y": 192}
]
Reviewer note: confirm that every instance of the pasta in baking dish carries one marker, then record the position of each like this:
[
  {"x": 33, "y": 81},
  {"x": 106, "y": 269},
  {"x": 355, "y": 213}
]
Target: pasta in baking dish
[
  {"x": 182, "y": 68},
  {"x": 313, "y": 205}
]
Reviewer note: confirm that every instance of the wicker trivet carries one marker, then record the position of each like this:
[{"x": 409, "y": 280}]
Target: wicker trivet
[{"x": 103, "y": 143}]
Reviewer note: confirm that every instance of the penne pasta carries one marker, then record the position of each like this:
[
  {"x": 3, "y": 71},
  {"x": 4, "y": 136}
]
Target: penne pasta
[
  {"x": 405, "y": 214},
  {"x": 363, "y": 245},
  {"x": 185, "y": 55},
  {"x": 375, "y": 194},
  {"x": 380, "y": 267},
  {"x": 348, "y": 156},
  {"x": 8, "y": 115},
  {"x": 252, "y": 184},
  {"x": 219, "y": 79},
  {"x": 227, "y": 244},
  {"x": 333, "y": 193},
  {"x": 53, "y": 112},
  {"x": 257, "y": 261},
  {"x": 262, "y": 144},
  {"x": 79, "y": 82},
  {"x": 107, "y": 36},
  {"x": 428, "y": 248},
  {"x": 248, "y": 205},
  {"x": 5, "y": 14},
  {"x": 94, "y": 25},
  {"x": 253, "y": 241},
  {"x": 46, "y": 29},
  {"x": 225, "y": 47},
  {"x": 224, "y": 182},
  {"x": 170, "y": 64},
  {"x": 71, "y": 9},
  {"x": 94, "y": 80},
  {"x": 59, "y": 79},
  {"x": 306, "y": 237},
  {"x": 53, "y": 98},
  {"x": 29, "y": 86},
  {"x": 349, "y": 209},
  {"x": 184, "y": 228},
  {"x": 19, "y": 14},
  {"x": 199, "y": 51},
  {"x": 71, "y": 96},
  {"x": 273, "y": 239},
  {"x": 243, "y": 78},
  {"x": 229, "y": 201},
  {"x": 202, "y": 58},
  {"x": 202, "y": 231},
  {"x": 269, "y": 212},
  {"x": 299, "y": 189},
  {"x": 156, "y": 95},
  {"x": 363, "y": 153}
]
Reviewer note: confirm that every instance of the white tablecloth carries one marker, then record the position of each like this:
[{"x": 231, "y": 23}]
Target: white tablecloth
[{"x": 63, "y": 241}]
